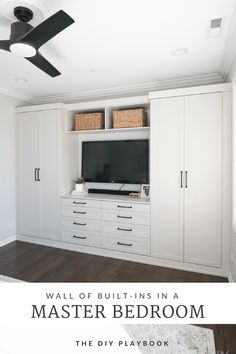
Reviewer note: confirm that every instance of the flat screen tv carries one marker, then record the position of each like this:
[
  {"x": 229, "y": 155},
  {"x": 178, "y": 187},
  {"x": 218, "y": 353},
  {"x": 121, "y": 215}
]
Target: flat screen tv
[{"x": 118, "y": 161}]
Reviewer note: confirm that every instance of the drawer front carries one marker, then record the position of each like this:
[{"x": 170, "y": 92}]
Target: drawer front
[
  {"x": 81, "y": 202},
  {"x": 130, "y": 245},
  {"x": 126, "y": 230},
  {"x": 121, "y": 206},
  {"x": 87, "y": 238},
  {"x": 81, "y": 224},
  {"x": 128, "y": 217},
  {"x": 81, "y": 212}
]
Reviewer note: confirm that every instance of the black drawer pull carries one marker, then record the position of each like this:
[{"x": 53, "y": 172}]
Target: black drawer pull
[
  {"x": 83, "y": 203},
  {"x": 81, "y": 237},
  {"x": 124, "y": 217},
  {"x": 120, "y": 229},
  {"x": 79, "y": 212},
  {"x": 79, "y": 223},
  {"x": 124, "y": 244},
  {"x": 123, "y": 206}
]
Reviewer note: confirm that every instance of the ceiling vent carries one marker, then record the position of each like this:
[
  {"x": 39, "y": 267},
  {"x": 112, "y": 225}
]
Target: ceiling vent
[
  {"x": 216, "y": 23},
  {"x": 215, "y": 27}
]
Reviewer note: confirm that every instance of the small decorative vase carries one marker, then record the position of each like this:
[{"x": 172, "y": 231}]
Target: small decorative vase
[{"x": 79, "y": 187}]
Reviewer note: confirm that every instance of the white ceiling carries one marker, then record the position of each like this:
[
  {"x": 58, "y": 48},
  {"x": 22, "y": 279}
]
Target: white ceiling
[{"x": 119, "y": 43}]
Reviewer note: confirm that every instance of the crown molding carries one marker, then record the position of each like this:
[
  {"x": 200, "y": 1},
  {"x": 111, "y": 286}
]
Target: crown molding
[
  {"x": 16, "y": 94},
  {"x": 228, "y": 62},
  {"x": 131, "y": 90}
]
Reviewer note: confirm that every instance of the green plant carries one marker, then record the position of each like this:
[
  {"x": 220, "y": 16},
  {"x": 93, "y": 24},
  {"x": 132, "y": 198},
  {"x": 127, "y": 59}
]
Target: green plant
[{"x": 79, "y": 180}]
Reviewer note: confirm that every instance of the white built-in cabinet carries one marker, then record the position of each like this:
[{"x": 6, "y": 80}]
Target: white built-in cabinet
[
  {"x": 187, "y": 221},
  {"x": 186, "y": 178},
  {"x": 40, "y": 171}
]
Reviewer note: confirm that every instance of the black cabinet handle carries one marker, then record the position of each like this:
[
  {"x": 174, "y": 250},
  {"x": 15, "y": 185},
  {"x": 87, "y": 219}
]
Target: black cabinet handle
[
  {"x": 38, "y": 179},
  {"x": 80, "y": 237},
  {"x": 186, "y": 179},
  {"x": 181, "y": 179},
  {"x": 124, "y": 217},
  {"x": 120, "y": 229},
  {"x": 124, "y": 244},
  {"x": 79, "y": 212},
  {"x": 79, "y": 223},
  {"x": 126, "y": 207},
  {"x": 81, "y": 203}
]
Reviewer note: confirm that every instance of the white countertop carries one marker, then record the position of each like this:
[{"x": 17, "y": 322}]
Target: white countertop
[{"x": 107, "y": 197}]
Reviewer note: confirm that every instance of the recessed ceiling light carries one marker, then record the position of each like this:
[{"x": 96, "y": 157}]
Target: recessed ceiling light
[
  {"x": 21, "y": 80},
  {"x": 180, "y": 51}
]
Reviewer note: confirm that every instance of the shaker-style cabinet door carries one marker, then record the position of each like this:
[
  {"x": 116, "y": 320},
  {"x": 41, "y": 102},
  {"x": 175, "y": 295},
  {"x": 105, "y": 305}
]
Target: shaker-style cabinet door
[
  {"x": 203, "y": 165},
  {"x": 166, "y": 177},
  {"x": 27, "y": 174},
  {"x": 48, "y": 174}
]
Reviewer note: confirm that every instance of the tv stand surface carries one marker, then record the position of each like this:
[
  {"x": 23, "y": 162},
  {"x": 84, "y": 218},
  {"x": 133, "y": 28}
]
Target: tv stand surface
[{"x": 110, "y": 191}]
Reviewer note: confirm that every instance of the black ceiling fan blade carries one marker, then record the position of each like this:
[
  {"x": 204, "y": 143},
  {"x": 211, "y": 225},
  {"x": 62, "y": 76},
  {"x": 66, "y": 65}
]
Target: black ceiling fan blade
[
  {"x": 47, "y": 29},
  {"x": 42, "y": 63},
  {"x": 5, "y": 45}
]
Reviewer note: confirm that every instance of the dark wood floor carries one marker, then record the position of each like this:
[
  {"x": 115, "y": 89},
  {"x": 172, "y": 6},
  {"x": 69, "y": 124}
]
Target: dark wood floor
[
  {"x": 225, "y": 338},
  {"x": 35, "y": 263}
]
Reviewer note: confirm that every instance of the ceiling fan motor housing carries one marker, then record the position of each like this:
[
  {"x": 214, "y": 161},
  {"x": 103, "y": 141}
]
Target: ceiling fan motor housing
[{"x": 18, "y": 29}]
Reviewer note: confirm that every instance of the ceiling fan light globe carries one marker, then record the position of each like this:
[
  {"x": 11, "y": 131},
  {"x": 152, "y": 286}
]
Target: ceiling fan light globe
[{"x": 23, "y": 50}]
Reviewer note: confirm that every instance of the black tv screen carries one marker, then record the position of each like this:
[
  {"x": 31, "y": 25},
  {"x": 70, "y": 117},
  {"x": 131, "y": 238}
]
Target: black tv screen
[{"x": 118, "y": 161}]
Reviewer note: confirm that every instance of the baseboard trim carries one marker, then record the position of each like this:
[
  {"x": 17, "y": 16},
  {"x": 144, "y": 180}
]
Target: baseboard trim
[
  {"x": 7, "y": 240},
  {"x": 230, "y": 278},
  {"x": 126, "y": 256}
]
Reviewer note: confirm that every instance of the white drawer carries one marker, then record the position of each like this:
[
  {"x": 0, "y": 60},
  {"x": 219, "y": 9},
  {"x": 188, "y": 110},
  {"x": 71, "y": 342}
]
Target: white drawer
[
  {"x": 87, "y": 238},
  {"x": 126, "y": 230},
  {"x": 81, "y": 224},
  {"x": 81, "y": 212},
  {"x": 123, "y": 244},
  {"x": 123, "y": 216},
  {"x": 80, "y": 202},
  {"x": 121, "y": 206}
]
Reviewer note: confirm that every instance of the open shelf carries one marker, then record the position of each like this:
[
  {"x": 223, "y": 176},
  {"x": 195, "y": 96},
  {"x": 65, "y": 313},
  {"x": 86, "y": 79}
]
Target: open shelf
[
  {"x": 110, "y": 130},
  {"x": 107, "y": 107}
]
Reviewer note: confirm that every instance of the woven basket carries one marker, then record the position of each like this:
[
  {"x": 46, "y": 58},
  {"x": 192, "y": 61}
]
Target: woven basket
[
  {"x": 89, "y": 121},
  {"x": 131, "y": 118}
]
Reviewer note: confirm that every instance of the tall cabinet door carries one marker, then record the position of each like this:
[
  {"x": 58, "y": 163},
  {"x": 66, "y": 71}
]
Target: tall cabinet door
[
  {"x": 27, "y": 163},
  {"x": 166, "y": 170},
  {"x": 48, "y": 174},
  {"x": 203, "y": 165}
]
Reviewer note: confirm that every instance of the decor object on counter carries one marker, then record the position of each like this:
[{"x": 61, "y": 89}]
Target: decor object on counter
[
  {"x": 134, "y": 196},
  {"x": 145, "y": 190},
  {"x": 89, "y": 121},
  {"x": 79, "y": 185},
  {"x": 131, "y": 118}
]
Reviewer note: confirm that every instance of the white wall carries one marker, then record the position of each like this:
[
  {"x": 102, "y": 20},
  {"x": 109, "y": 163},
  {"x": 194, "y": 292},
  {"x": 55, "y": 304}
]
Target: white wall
[
  {"x": 233, "y": 247},
  {"x": 7, "y": 167},
  {"x": 232, "y": 76}
]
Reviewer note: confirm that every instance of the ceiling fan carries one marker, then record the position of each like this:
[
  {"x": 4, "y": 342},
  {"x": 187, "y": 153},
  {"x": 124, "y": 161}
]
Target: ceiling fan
[{"x": 26, "y": 40}]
